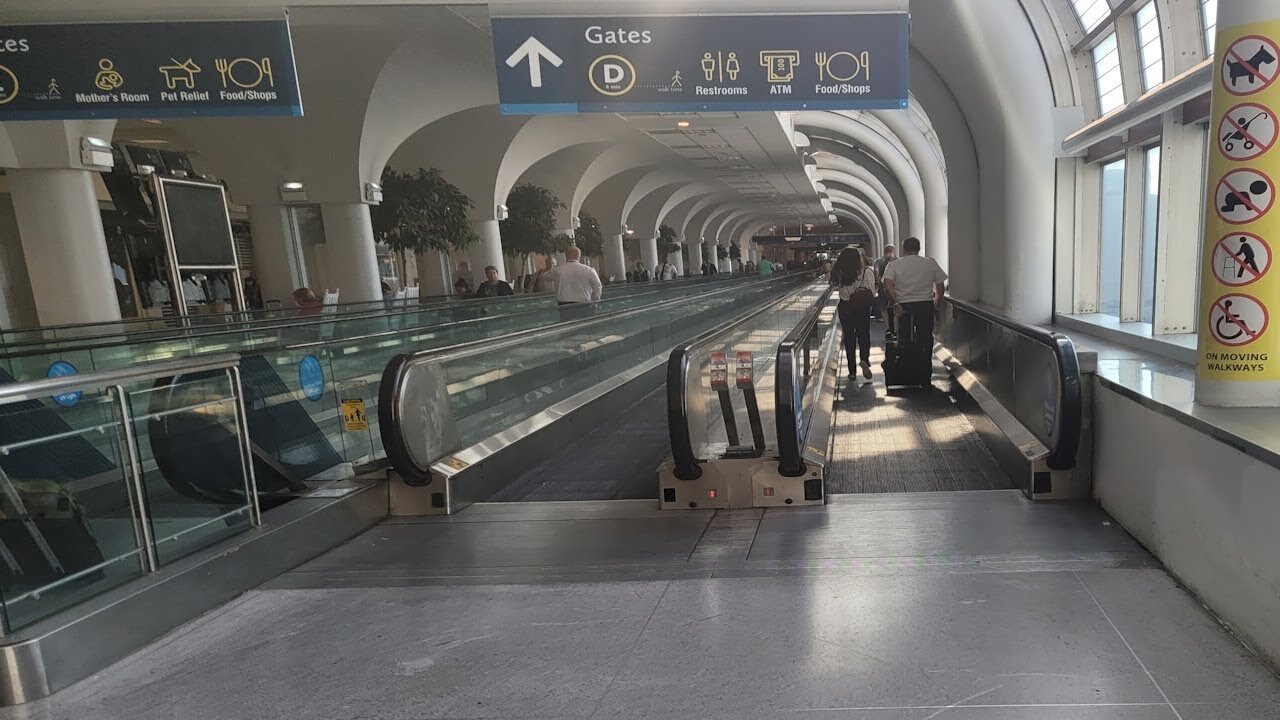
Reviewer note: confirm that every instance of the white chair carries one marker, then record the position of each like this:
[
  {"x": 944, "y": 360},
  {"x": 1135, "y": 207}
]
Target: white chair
[{"x": 413, "y": 293}]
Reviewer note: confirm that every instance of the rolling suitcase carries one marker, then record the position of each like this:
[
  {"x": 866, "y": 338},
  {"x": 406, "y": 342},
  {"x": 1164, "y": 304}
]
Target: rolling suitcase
[{"x": 907, "y": 362}]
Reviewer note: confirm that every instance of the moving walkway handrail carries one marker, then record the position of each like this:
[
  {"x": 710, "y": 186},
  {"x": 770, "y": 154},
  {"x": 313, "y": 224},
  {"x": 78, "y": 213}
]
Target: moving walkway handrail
[
  {"x": 71, "y": 344},
  {"x": 24, "y": 390},
  {"x": 205, "y": 330},
  {"x": 789, "y": 388},
  {"x": 1062, "y": 455},
  {"x": 391, "y": 391},
  {"x": 684, "y": 458}
]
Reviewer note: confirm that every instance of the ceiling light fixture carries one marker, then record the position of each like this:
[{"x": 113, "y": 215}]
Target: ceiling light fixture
[{"x": 682, "y": 123}]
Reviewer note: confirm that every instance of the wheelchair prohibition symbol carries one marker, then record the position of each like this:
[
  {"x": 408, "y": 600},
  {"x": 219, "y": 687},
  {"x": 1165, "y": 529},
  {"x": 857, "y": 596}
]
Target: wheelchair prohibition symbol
[{"x": 1237, "y": 320}]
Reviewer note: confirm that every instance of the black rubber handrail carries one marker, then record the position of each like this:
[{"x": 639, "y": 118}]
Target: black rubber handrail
[
  {"x": 789, "y": 386},
  {"x": 684, "y": 458},
  {"x": 1062, "y": 456},
  {"x": 390, "y": 391}
]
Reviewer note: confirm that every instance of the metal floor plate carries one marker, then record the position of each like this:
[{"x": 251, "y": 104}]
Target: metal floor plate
[{"x": 907, "y": 440}]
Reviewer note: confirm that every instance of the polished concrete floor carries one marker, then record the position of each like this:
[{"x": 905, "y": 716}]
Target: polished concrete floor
[{"x": 955, "y": 605}]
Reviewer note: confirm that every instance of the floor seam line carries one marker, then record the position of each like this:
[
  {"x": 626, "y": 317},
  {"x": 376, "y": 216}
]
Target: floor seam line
[
  {"x": 631, "y": 651},
  {"x": 1107, "y": 616}
]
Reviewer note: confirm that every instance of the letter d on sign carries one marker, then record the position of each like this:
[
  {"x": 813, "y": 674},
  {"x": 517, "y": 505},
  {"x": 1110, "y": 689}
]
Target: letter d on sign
[{"x": 614, "y": 74}]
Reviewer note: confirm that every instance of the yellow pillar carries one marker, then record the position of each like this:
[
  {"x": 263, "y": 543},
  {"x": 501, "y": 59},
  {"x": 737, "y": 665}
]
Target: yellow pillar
[{"x": 1240, "y": 284}]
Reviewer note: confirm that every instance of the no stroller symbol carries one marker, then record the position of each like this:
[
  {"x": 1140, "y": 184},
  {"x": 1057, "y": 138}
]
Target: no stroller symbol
[{"x": 1246, "y": 132}]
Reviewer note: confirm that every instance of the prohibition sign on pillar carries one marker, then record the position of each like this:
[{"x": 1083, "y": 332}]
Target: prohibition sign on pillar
[
  {"x": 1237, "y": 320},
  {"x": 1241, "y": 259},
  {"x": 1247, "y": 131},
  {"x": 1244, "y": 196},
  {"x": 1250, "y": 65}
]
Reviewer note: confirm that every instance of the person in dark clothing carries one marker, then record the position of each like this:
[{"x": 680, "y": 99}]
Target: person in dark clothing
[
  {"x": 492, "y": 286},
  {"x": 855, "y": 280},
  {"x": 461, "y": 287},
  {"x": 252, "y": 294}
]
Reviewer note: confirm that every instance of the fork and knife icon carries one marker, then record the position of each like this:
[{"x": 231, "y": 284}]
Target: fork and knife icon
[
  {"x": 825, "y": 60},
  {"x": 248, "y": 77}
]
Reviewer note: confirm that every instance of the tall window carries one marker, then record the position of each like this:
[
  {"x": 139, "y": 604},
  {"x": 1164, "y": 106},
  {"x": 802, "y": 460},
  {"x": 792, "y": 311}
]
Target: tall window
[
  {"x": 1209, "y": 15},
  {"x": 1106, "y": 65},
  {"x": 1149, "y": 50},
  {"x": 1111, "y": 246},
  {"x": 1091, "y": 12},
  {"x": 1150, "y": 224}
]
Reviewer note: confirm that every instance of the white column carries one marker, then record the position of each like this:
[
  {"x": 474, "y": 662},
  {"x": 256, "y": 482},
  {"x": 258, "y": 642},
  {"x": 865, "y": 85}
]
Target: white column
[
  {"x": 352, "y": 255},
  {"x": 754, "y": 253},
  {"x": 677, "y": 259},
  {"x": 276, "y": 265},
  {"x": 487, "y": 250},
  {"x": 695, "y": 256},
  {"x": 615, "y": 259},
  {"x": 433, "y": 273},
  {"x": 65, "y": 247},
  {"x": 725, "y": 265},
  {"x": 649, "y": 253}
]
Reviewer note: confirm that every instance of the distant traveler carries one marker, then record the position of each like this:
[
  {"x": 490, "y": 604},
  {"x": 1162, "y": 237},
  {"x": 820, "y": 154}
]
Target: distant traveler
[
  {"x": 855, "y": 280},
  {"x": 575, "y": 282},
  {"x": 461, "y": 287},
  {"x": 915, "y": 285},
  {"x": 640, "y": 274},
  {"x": 542, "y": 281},
  {"x": 882, "y": 300},
  {"x": 709, "y": 268},
  {"x": 252, "y": 294},
  {"x": 766, "y": 267},
  {"x": 308, "y": 303},
  {"x": 664, "y": 270},
  {"x": 492, "y": 286}
]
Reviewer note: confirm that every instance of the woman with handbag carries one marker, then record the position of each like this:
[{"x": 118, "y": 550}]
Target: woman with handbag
[{"x": 855, "y": 280}]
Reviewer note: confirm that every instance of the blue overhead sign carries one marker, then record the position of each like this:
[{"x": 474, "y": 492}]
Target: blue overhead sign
[
  {"x": 147, "y": 70},
  {"x": 704, "y": 62}
]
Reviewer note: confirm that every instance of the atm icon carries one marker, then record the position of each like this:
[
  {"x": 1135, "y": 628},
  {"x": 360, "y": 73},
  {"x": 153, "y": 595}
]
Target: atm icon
[{"x": 781, "y": 64}]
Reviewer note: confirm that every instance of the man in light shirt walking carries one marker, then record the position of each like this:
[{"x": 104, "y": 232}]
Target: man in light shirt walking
[
  {"x": 575, "y": 282},
  {"x": 915, "y": 285}
]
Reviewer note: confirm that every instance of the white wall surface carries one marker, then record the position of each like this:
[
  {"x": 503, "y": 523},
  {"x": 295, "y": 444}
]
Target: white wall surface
[{"x": 1205, "y": 509}]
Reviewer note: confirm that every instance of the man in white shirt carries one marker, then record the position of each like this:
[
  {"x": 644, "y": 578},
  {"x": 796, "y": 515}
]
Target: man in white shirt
[
  {"x": 915, "y": 286},
  {"x": 575, "y": 282},
  {"x": 664, "y": 270}
]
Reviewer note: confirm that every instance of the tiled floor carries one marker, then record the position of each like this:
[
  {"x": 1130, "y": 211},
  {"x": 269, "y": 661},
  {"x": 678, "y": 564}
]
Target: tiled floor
[{"x": 972, "y": 605}]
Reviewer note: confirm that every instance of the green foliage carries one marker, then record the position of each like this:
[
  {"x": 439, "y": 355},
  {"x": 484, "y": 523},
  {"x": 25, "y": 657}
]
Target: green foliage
[
  {"x": 561, "y": 242},
  {"x": 668, "y": 240},
  {"x": 422, "y": 211},
  {"x": 735, "y": 252},
  {"x": 530, "y": 226},
  {"x": 588, "y": 236},
  {"x": 722, "y": 252}
]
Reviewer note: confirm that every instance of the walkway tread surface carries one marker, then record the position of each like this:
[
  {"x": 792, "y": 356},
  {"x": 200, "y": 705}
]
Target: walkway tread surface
[
  {"x": 970, "y": 605},
  {"x": 907, "y": 440},
  {"x": 616, "y": 461}
]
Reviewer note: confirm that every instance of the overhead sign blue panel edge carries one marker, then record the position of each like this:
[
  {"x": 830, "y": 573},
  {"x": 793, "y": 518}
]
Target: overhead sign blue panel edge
[
  {"x": 559, "y": 65},
  {"x": 76, "y": 71}
]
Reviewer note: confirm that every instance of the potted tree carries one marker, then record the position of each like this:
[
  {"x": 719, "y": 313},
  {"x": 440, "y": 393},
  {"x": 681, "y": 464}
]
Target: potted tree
[
  {"x": 421, "y": 211},
  {"x": 530, "y": 226}
]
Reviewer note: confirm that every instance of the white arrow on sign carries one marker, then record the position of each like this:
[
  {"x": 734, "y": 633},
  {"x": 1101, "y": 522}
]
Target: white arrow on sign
[{"x": 535, "y": 52}]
